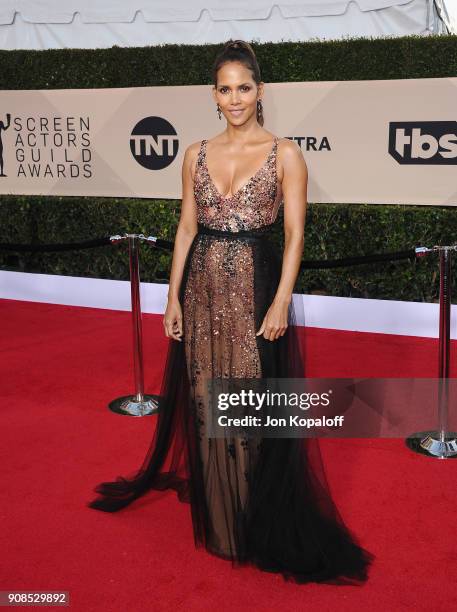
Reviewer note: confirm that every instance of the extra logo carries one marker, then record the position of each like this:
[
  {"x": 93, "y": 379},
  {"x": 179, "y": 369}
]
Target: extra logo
[
  {"x": 423, "y": 142},
  {"x": 154, "y": 143}
]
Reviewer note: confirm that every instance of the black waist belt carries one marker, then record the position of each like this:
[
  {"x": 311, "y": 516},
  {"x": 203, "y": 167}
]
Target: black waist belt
[{"x": 257, "y": 232}]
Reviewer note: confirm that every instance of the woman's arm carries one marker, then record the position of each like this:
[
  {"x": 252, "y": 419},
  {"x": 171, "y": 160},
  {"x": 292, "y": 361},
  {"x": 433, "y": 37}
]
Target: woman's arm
[
  {"x": 187, "y": 228},
  {"x": 294, "y": 187}
]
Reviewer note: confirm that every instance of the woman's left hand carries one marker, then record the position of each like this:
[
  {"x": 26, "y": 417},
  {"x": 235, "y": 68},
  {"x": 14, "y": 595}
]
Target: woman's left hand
[{"x": 275, "y": 322}]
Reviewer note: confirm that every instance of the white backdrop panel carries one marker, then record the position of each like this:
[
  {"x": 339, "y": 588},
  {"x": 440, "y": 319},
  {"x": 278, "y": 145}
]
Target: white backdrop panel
[{"x": 47, "y": 24}]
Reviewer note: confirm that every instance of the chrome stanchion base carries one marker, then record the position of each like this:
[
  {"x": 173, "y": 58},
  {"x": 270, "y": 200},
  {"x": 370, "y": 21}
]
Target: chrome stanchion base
[
  {"x": 428, "y": 443},
  {"x": 130, "y": 405}
]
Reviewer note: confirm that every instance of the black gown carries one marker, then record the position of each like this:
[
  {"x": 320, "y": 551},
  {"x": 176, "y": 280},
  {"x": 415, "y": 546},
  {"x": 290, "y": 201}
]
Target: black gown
[{"x": 253, "y": 501}]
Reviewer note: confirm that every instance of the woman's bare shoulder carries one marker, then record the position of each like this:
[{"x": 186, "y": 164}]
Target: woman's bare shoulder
[
  {"x": 193, "y": 148},
  {"x": 290, "y": 158},
  {"x": 286, "y": 144},
  {"x": 190, "y": 156},
  {"x": 289, "y": 151}
]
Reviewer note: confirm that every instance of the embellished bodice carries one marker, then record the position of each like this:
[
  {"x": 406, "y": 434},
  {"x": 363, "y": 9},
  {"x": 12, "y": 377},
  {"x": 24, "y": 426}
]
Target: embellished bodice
[{"x": 254, "y": 205}]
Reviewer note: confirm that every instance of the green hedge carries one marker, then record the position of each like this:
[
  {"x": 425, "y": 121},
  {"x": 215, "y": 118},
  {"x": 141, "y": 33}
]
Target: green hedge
[{"x": 332, "y": 230}]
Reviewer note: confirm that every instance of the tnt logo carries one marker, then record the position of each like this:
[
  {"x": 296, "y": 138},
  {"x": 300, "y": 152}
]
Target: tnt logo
[
  {"x": 423, "y": 142},
  {"x": 154, "y": 143}
]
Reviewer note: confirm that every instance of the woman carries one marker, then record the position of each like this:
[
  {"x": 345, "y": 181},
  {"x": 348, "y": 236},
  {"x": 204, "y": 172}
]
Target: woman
[{"x": 230, "y": 315}]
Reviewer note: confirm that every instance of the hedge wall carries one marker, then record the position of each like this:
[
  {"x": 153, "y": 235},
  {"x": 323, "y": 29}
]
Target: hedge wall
[{"x": 332, "y": 230}]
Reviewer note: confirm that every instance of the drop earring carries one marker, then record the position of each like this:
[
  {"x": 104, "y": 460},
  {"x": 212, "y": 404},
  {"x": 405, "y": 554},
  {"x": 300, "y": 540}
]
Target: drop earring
[
  {"x": 259, "y": 109},
  {"x": 218, "y": 108}
]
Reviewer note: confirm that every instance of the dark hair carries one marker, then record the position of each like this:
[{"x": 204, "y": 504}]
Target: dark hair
[{"x": 239, "y": 51}]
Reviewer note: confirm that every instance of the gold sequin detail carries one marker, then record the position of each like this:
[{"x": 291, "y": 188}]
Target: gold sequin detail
[
  {"x": 254, "y": 205},
  {"x": 219, "y": 328}
]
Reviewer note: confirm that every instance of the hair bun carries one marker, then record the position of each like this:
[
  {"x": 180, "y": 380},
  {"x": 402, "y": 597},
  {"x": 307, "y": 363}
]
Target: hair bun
[{"x": 239, "y": 45}]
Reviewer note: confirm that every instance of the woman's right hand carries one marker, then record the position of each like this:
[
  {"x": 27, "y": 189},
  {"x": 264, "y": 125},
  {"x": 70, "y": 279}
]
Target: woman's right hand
[{"x": 172, "y": 320}]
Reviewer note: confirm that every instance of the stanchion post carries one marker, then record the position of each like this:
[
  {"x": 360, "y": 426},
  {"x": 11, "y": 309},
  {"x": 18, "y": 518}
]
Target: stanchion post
[
  {"x": 444, "y": 340},
  {"x": 140, "y": 404},
  {"x": 440, "y": 444},
  {"x": 136, "y": 317}
]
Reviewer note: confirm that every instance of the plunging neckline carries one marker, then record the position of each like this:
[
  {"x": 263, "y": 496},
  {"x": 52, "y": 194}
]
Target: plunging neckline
[{"x": 231, "y": 197}]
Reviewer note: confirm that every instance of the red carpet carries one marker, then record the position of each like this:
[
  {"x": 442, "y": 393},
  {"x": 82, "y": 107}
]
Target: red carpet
[{"x": 62, "y": 365}]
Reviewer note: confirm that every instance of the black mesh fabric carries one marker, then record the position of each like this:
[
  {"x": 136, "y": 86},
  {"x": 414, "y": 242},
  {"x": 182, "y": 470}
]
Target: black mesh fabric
[{"x": 281, "y": 516}]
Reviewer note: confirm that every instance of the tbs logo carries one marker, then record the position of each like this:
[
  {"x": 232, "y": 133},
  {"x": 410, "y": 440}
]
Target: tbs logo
[
  {"x": 154, "y": 143},
  {"x": 423, "y": 142}
]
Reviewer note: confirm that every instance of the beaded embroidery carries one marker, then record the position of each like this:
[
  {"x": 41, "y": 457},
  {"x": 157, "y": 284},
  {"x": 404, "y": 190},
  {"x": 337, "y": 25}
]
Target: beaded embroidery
[
  {"x": 255, "y": 204},
  {"x": 219, "y": 326}
]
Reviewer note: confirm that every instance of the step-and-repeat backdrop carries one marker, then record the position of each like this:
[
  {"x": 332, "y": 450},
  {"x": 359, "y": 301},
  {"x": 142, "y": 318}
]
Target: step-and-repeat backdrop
[{"x": 387, "y": 141}]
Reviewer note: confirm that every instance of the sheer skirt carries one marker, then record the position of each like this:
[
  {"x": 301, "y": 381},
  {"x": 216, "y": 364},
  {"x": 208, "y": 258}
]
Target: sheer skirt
[{"x": 253, "y": 501}]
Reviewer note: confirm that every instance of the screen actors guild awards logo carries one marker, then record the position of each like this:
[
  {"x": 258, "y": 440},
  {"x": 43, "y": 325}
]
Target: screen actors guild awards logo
[{"x": 3, "y": 127}]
